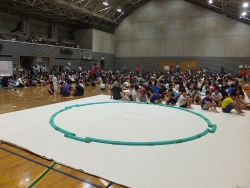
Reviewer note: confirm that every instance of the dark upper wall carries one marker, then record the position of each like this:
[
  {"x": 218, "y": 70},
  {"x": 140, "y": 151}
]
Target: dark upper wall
[
  {"x": 12, "y": 50},
  {"x": 35, "y": 27}
]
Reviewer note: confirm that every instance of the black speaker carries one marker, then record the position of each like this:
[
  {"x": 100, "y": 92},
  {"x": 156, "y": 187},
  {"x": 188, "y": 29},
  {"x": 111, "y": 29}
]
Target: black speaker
[
  {"x": 66, "y": 51},
  {"x": 102, "y": 64}
]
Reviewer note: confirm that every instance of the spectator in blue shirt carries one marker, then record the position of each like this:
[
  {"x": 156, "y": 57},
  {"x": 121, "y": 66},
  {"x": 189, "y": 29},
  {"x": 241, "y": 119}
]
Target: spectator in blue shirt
[
  {"x": 156, "y": 98},
  {"x": 156, "y": 88},
  {"x": 207, "y": 103},
  {"x": 230, "y": 90}
]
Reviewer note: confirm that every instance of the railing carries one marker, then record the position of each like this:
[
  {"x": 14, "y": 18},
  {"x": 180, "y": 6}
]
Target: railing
[
  {"x": 44, "y": 45},
  {"x": 69, "y": 42}
]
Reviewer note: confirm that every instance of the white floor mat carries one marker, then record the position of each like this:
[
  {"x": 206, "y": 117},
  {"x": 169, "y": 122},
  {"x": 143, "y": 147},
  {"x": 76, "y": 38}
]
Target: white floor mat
[{"x": 215, "y": 160}]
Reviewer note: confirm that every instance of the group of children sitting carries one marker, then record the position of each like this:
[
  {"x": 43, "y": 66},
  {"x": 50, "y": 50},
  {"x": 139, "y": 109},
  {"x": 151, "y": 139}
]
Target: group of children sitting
[{"x": 233, "y": 98}]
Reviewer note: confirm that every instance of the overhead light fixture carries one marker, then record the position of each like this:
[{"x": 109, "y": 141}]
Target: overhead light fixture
[
  {"x": 106, "y": 2},
  {"x": 210, "y": 1},
  {"x": 243, "y": 13},
  {"x": 119, "y": 9},
  {"x": 245, "y": 5}
]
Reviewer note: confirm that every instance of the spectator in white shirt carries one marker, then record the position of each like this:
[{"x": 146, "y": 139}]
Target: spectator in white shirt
[
  {"x": 13, "y": 38},
  {"x": 132, "y": 93},
  {"x": 40, "y": 40},
  {"x": 55, "y": 82},
  {"x": 184, "y": 100},
  {"x": 217, "y": 97}
]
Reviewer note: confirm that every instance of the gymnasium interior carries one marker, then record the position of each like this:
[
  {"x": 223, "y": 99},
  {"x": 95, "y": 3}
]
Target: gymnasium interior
[{"x": 48, "y": 140}]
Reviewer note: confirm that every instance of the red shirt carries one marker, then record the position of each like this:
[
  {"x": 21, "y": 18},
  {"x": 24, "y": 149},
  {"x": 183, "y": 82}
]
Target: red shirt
[
  {"x": 94, "y": 69},
  {"x": 153, "y": 69},
  {"x": 244, "y": 73}
]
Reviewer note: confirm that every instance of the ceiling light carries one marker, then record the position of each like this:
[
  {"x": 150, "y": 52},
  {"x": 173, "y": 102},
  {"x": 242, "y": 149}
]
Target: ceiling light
[
  {"x": 245, "y": 5},
  {"x": 210, "y": 1},
  {"x": 244, "y": 13},
  {"x": 106, "y": 3},
  {"x": 119, "y": 9}
]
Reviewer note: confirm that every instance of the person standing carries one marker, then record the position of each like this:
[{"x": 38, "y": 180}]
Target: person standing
[
  {"x": 152, "y": 69},
  {"x": 137, "y": 69},
  {"x": 55, "y": 83},
  {"x": 222, "y": 70},
  {"x": 40, "y": 40},
  {"x": 94, "y": 71},
  {"x": 244, "y": 74}
]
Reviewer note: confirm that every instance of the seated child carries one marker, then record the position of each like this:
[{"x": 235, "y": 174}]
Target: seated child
[
  {"x": 143, "y": 95},
  {"x": 184, "y": 100},
  {"x": 196, "y": 96},
  {"x": 229, "y": 103},
  {"x": 156, "y": 98},
  {"x": 132, "y": 93},
  {"x": 217, "y": 96},
  {"x": 172, "y": 97},
  {"x": 207, "y": 103}
]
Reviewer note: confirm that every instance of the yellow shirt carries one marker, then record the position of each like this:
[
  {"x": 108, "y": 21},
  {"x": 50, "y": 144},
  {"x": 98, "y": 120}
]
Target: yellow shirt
[{"x": 226, "y": 102}]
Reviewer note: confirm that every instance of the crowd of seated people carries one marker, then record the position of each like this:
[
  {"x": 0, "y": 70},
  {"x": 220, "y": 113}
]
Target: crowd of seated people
[{"x": 210, "y": 90}]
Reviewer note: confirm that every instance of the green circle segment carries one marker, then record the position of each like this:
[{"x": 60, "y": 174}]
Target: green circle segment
[{"x": 210, "y": 129}]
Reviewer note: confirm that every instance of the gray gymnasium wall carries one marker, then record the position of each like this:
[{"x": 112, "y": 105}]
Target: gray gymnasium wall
[
  {"x": 213, "y": 63},
  {"x": 178, "y": 30},
  {"x": 95, "y": 40},
  {"x": 15, "y": 49}
]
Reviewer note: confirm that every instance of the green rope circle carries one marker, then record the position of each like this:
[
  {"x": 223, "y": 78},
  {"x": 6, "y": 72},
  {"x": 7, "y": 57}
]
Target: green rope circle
[{"x": 211, "y": 129}]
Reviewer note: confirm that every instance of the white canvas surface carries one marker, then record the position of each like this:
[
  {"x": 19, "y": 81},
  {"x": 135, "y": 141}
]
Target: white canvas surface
[
  {"x": 4, "y": 66},
  {"x": 214, "y": 161}
]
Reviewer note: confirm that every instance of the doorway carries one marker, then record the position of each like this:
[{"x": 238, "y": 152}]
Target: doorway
[
  {"x": 166, "y": 64},
  {"x": 26, "y": 61},
  {"x": 186, "y": 64}
]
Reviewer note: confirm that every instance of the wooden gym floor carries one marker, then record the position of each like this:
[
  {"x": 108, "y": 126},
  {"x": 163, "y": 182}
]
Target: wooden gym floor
[{"x": 19, "y": 168}]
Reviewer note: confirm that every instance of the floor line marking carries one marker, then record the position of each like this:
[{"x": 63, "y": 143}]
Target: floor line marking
[
  {"x": 61, "y": 172},
  {"x": 123, "y": 118},
  {"x": 109, "y": 185},
  {"x": 9, "y": 181},
  {"x": 135, "y": 114},
  {"x": 42, "y": 175}
]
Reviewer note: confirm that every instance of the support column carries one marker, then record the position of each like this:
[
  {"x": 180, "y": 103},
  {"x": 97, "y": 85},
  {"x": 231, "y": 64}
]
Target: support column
[
  {"x": 24, "y": 24},
  {"x": 55, "y": 31},
  {"x": 28, "y": 26},
  {"x": 52, "y": 30}
]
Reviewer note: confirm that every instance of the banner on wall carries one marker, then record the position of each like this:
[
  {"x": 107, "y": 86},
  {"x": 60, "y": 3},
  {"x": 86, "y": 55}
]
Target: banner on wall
[
  {"x": 166, "y": 68},
  {"x": 39, "y": 59}
]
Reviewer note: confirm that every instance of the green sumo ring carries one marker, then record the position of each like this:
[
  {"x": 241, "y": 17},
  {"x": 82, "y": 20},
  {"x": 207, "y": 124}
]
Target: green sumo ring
[{"x": 210, "y": 129}]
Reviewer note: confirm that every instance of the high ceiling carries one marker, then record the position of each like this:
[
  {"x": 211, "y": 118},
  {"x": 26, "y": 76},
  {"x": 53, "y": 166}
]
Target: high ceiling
[
  {"x": 82, "y": 13},
  {"x": 232, "y": 8},
  {"x": 93, "y": 13}
]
